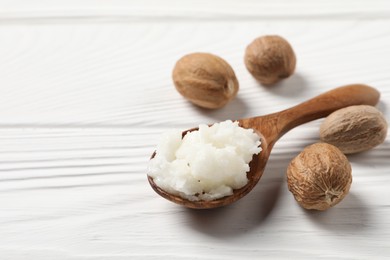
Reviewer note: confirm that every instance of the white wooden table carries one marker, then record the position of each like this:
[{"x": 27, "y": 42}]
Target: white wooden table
[{"x": 86, "y": 89}]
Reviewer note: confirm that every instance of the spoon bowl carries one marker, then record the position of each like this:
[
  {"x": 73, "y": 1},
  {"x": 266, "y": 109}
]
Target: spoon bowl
[{"x": 272, "y": 127}]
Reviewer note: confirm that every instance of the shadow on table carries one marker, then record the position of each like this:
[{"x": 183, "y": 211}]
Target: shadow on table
[
  {"x": 246, "y": 214},
  {"x": 235, "y": 109},
  {"x": 382, "y": 106},
  {"x": 376, "y": 157},
  {"x": 293, "y": 86},
  {"x": 350, "y": 216}
]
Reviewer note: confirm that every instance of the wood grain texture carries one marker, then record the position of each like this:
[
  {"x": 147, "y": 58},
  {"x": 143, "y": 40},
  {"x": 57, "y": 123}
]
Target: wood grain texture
[{"x": 86, "y": 90}]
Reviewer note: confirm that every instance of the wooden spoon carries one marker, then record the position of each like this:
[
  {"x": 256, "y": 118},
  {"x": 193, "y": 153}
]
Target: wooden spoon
[{"x": 273, "y": 126}]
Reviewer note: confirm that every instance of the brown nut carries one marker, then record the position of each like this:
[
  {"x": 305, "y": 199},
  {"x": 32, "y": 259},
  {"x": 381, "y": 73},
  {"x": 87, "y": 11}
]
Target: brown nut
[
  {"x": 269, "y": 59},
  {"x": 354, "y": 129},
  {"x": 205, "y": 79},
  {"x": 319, "y": 177}
]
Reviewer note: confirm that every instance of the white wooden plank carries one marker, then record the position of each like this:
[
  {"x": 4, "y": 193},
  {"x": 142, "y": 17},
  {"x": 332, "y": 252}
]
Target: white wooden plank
[
  {"x": 117, "y": 74},
  {"x": 17, "y": 10}
]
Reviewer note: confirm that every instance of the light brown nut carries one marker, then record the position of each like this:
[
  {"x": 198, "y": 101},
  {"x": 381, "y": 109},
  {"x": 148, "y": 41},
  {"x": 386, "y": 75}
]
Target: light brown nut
[
  {"x": 205, "y": 79},
  {"x": 354, "y": 129},
  {"x": 269, "y": 59},
  {"x": 319, "y": 177}
]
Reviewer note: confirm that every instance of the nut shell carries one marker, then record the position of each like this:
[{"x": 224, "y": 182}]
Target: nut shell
[
  {"x": 319, "y": 177},
  {"x": 269, "y": 59},
  {"x": 354, "y": 129},
  {"x": 205, "y": 79}
]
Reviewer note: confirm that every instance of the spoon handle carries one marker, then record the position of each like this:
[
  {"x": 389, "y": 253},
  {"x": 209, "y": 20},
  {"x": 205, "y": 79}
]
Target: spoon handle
[{"x": 325, "y": 104}]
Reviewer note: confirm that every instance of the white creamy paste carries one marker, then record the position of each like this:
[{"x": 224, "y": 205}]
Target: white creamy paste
[{"x": 206, "y": 164}]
